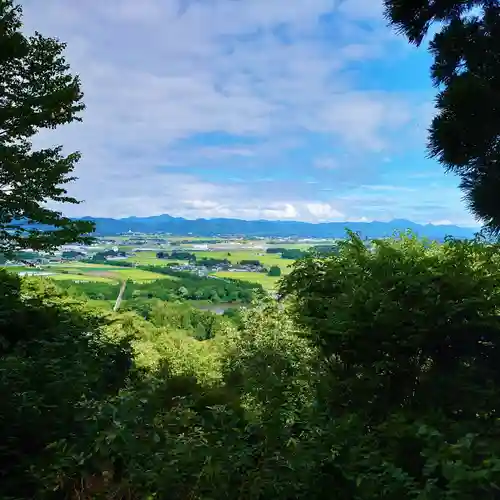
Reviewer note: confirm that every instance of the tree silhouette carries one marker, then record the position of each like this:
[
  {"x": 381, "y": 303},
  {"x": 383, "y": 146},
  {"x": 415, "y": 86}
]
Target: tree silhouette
[
  {"x": 465, "y": 133},
  {"x": 36, "y": 92}
]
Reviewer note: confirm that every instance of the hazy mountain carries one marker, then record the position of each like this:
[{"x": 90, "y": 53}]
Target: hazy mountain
[{"x": 231, "y": 227}]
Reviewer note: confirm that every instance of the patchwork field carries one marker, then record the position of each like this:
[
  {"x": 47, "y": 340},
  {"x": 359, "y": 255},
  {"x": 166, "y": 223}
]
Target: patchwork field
[
  {"x": 268, "y": 282},
  {"x": 79, "y": 277},
  {"x": 96, "y": 272},
  {"x": 81, "y": 271},
  {"x": 233, "y": 256},
  {"x": 149, "y": 259}
]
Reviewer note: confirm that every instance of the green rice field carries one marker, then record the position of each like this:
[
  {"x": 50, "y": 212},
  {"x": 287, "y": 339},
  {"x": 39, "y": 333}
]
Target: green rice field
[
  {"x": 78, "y": 277},
  {"x": 233, "y": 256},
  {"x": 268, "y": 282},
  {"x": 78, "y": 271}
]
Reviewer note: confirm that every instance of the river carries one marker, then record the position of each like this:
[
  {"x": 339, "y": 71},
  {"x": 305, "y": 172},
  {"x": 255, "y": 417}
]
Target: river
[{"x": 217, "y": 308}]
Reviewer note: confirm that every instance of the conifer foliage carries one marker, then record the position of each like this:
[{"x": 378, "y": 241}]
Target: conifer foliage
[{"x": 465, "y": 133}]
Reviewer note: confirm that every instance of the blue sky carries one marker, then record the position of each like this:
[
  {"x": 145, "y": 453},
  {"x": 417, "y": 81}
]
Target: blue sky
[{"x": 300, "y": 109}]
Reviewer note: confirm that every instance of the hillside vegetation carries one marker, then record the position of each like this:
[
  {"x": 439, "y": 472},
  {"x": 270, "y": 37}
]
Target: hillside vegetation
[{"x": 379, "y": 381}]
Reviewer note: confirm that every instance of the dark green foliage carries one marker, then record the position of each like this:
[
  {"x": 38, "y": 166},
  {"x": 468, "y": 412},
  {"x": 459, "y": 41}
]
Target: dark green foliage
[
  {"x": 54, "y": 358},
  {"x": 117, "y": 263},
  {"x": 234, "y": 314},
  {"x": 250, "y": 262},
  {"x": 274, "y": 271},
  {"x": 71, "y": 254},
  {"x": 275, "y": 250},
  {"x": 100, "y": 257},
  {"x": 211, "y": 262},
  {"x": 36, "y": 92},
  {"x": 464, "y": 135},
  {"x": 202, "y": 325},
  {"x": 252, "y": 434},
  {"x": 388, "y": 389},
  {"x": 293, "y": 253},
  {"x": 177, "y": 255},
  {"x": 296, "y": 253},
  {"x": 186, "y": 287},
  {"x": 411, "y": 335},
  {"x": 320, "y": 250}
]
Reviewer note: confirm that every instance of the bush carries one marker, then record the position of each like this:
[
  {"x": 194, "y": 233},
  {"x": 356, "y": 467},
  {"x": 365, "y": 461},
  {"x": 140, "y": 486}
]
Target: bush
[
  {"x": 250, "y": 262},
  {"x": 274, "y": 271},
  {"x": 411, "y": 333},
  {"x": 55, "y": 360}
]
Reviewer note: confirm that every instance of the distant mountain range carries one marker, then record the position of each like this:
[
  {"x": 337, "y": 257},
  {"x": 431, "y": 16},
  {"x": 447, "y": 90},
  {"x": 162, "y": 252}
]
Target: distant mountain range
[{"x": 265, "y": 228}]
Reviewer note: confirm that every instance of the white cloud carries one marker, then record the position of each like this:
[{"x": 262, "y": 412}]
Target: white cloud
[
  {"x": 445, "y": 222},
  {"x": 160, "y": 74},
  {"x": 324, "y": 211}
]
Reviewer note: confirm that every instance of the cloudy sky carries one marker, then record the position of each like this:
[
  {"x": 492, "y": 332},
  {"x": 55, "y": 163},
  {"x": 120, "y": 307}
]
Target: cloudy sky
[{"x": 279, "y": 109}]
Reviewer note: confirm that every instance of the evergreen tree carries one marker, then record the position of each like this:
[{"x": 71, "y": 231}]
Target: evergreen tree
[
  {"x": 36, "y": 92},
  {"x": 465, "y": 133},
  {"x": 274, "y": 271}
]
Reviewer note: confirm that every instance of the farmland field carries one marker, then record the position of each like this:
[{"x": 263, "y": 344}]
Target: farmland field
[
  {"x": 140, "y": 275},
  {"x": 234, "y": 256},
  {"x": 268, "y": 282},
  {"x": 72, "y": 271},
  {"x": 79, "y": 277},
  {"x": 149, "y": 259}
]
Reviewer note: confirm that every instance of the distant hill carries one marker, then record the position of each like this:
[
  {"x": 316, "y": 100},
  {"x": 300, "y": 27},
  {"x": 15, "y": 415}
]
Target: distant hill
[{"x": 265, "y": 228}]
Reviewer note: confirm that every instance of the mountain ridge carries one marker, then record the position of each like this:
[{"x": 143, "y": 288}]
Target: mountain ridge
[{"x": 180, "y": 226}]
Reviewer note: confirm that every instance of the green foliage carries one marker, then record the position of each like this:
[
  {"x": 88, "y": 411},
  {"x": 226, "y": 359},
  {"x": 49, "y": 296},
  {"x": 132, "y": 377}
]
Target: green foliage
[
  {"x": 211, "y": 262},
  {"x": 55, "y": 357},
  {"x": 176, "y": 255},
  {"x": 100, "y": 257},
  {"x": 186, "y": 287},
  {"x": 38, "y": 93},
  {"x": 249, "y": 432},
  {"x": 250, "y": 262},
  {"x": 464, "y": 133},
  {"x": 410, "y": 333},
  {"x": 320, "y": 250},
  {"x": 274, "y": 271},
  {"x": 292, "y": 253},
  {"x": 71, "y": 254},
  {"x": 375, "y": 379},
  {"x": 202, "y": 325}
]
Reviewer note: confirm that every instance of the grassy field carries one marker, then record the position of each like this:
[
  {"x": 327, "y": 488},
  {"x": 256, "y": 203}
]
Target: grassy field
[
  {"x": 268, "y": 282},
  {"x": 107, "y": 273},
  {"x": 291, "y": 246},
  {"x": 149, "y": 259},
  {"x": 233, "y": 256},
  {"x": 79, "y": 277},
  {"x": 140, "y": 275}
]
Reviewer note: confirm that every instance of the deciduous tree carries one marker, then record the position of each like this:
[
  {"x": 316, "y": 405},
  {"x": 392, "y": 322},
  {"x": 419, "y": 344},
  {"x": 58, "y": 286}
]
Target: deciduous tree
[{"x": 37, "y": 92}]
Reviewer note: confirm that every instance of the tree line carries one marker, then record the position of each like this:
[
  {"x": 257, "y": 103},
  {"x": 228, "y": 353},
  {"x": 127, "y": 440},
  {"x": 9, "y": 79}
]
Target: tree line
[{"x": 184, "y": 287}]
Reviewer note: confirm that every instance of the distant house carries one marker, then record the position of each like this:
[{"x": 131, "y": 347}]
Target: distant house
[
  {"x": 202, "y": 246},
  {"x": 34, "y": 273}
]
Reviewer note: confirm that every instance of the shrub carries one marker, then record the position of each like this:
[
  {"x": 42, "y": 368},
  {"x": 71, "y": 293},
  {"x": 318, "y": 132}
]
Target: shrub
[
  {"x": 411, "y": 334},
  {"x": 274, "y": 271},
  {"x": 55, "y": 356}
]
